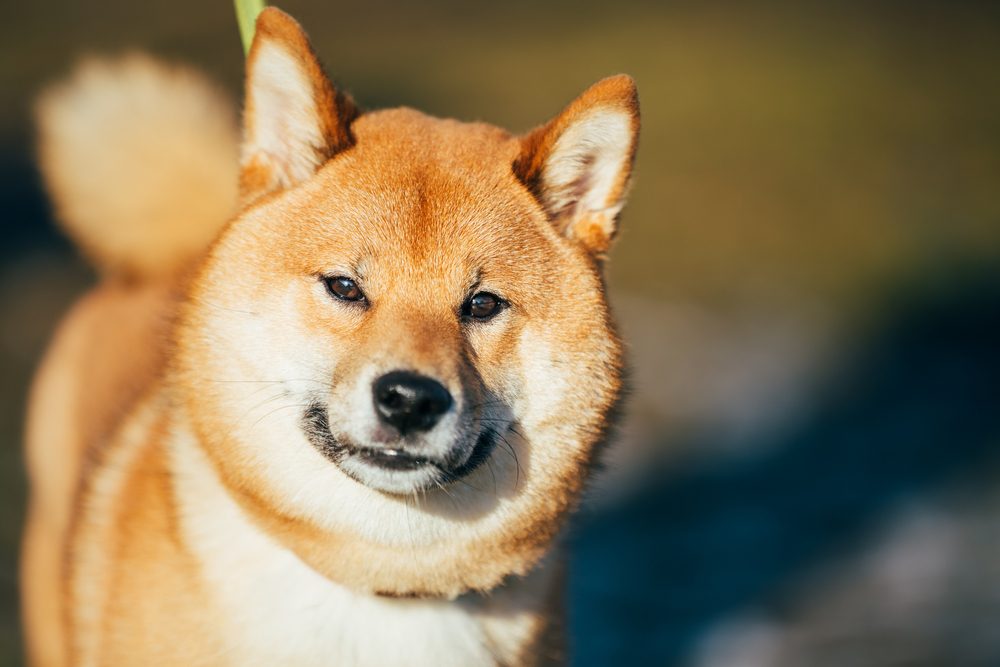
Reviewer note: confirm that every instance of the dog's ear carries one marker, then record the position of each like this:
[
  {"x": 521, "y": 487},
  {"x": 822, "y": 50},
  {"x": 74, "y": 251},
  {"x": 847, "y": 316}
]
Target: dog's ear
[
  {"x": 579, "y": 164},
  {"x": 294, "y": 119}
]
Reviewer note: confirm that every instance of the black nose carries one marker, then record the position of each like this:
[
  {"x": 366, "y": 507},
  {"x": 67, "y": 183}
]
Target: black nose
[{"x": 410, "y": 402}]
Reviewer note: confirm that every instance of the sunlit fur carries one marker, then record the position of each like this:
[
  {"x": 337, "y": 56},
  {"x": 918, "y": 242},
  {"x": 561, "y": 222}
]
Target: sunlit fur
[
  {"x": 194, "y": 519},
  {"x": 94, "y": 131}
]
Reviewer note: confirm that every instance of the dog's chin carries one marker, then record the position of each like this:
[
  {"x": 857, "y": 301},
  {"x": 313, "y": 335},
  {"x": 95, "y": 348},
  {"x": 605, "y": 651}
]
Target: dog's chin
[{"x": 393, "y": 470}]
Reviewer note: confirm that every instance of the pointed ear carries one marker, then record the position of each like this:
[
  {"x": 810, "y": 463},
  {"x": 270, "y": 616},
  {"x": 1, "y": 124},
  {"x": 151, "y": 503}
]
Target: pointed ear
[
  {"x": 580, "y": 163},
  {"x": 294, "y": 119}
]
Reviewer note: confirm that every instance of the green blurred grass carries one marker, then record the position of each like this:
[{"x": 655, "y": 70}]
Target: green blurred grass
[{"x": 792, "y": 151}]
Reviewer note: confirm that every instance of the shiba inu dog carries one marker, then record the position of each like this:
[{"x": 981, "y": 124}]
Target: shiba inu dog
[{"x": 344, "y": 427}]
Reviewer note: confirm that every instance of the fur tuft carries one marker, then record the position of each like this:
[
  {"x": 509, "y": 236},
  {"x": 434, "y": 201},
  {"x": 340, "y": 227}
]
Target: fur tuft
[{"x": 141, "y": 161}]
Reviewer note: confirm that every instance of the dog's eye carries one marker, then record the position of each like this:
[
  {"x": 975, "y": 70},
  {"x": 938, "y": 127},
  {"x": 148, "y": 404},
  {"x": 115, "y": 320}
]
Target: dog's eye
[
  {"x": 343, "y": 288},
  {"x": 482, "y": 306}
]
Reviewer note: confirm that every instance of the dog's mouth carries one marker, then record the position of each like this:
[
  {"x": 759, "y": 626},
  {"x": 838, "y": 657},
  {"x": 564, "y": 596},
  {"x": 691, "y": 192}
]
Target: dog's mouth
[
  {"x": 391, "y": 469},
  {"x": 390, "y": 459}
]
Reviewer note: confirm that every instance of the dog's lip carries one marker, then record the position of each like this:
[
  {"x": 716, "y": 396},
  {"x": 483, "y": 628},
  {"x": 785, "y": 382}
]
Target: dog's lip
[
  {"x": 338, "y": 450},
  {"x": 390, "y": 458}
]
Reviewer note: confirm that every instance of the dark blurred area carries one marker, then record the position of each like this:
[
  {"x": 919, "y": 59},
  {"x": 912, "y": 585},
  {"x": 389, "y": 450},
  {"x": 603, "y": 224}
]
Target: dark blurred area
[{"x": 808, "y": 277}]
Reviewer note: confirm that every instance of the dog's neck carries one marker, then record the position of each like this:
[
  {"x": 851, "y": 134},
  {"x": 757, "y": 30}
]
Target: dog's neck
[{"x": 278, "y": 610}]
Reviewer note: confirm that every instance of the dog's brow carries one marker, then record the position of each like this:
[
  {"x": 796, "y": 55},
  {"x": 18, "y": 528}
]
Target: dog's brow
[
  {"x": 476, "y": 281},
  {"x": 360, "y": 268}
]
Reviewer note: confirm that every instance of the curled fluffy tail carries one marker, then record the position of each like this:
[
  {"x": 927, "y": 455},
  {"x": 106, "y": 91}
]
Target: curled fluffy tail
[{"x": 141, "y": 161}]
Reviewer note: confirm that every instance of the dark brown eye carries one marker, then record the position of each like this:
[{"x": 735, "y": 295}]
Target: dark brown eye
[
  {"x": 482, "y": 306},
  {"x": 343, "y": 288}
]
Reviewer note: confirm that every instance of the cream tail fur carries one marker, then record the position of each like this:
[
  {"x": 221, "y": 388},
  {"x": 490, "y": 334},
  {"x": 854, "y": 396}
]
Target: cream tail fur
[{"x": 141, "y": 160}]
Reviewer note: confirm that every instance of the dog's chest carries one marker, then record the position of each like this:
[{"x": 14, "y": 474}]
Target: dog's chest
[{"x": 276, "y": 610}]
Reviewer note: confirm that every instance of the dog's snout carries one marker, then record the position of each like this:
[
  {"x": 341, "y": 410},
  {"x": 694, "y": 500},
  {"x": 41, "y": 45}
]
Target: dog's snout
[{"x": 410, "y": 402}]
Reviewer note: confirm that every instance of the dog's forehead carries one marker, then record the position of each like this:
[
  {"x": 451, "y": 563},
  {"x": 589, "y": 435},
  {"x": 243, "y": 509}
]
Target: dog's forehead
[
  {"x": 414, "y": 185},
  {"x": 414, "y": 136}
]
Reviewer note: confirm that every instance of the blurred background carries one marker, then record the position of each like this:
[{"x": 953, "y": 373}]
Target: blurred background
[{"x": 808, "y": 276}]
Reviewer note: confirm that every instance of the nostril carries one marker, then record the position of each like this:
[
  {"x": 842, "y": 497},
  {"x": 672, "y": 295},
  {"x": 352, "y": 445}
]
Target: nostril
[
  {"x": 392, "y": 399},
  {"x": 410, "y": 401}
]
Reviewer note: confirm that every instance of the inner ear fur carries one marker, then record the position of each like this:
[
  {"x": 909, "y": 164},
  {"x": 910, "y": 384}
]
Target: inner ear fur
[
  {"x": 579, "y": 164},
  {"x": 294, "y": 118}
]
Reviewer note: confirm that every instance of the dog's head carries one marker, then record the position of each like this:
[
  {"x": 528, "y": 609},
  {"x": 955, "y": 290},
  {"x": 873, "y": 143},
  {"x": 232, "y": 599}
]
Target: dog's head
[{"x": 398, "y": 356}]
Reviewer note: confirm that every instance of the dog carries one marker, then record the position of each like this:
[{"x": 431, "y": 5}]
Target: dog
[{"x": 340, "y": 384}]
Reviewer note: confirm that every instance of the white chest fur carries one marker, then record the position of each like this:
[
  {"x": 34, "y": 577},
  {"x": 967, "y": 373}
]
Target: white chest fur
[{"x": 279, "y": 611}]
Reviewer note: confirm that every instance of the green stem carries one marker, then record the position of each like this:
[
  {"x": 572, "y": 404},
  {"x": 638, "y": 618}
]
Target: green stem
[{"x": 246, "y": 16}]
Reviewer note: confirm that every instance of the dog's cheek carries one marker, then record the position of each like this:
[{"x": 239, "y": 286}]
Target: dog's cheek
[
  {"x": 542, "y": 380},
  {"x": 496, "y": 364}
]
